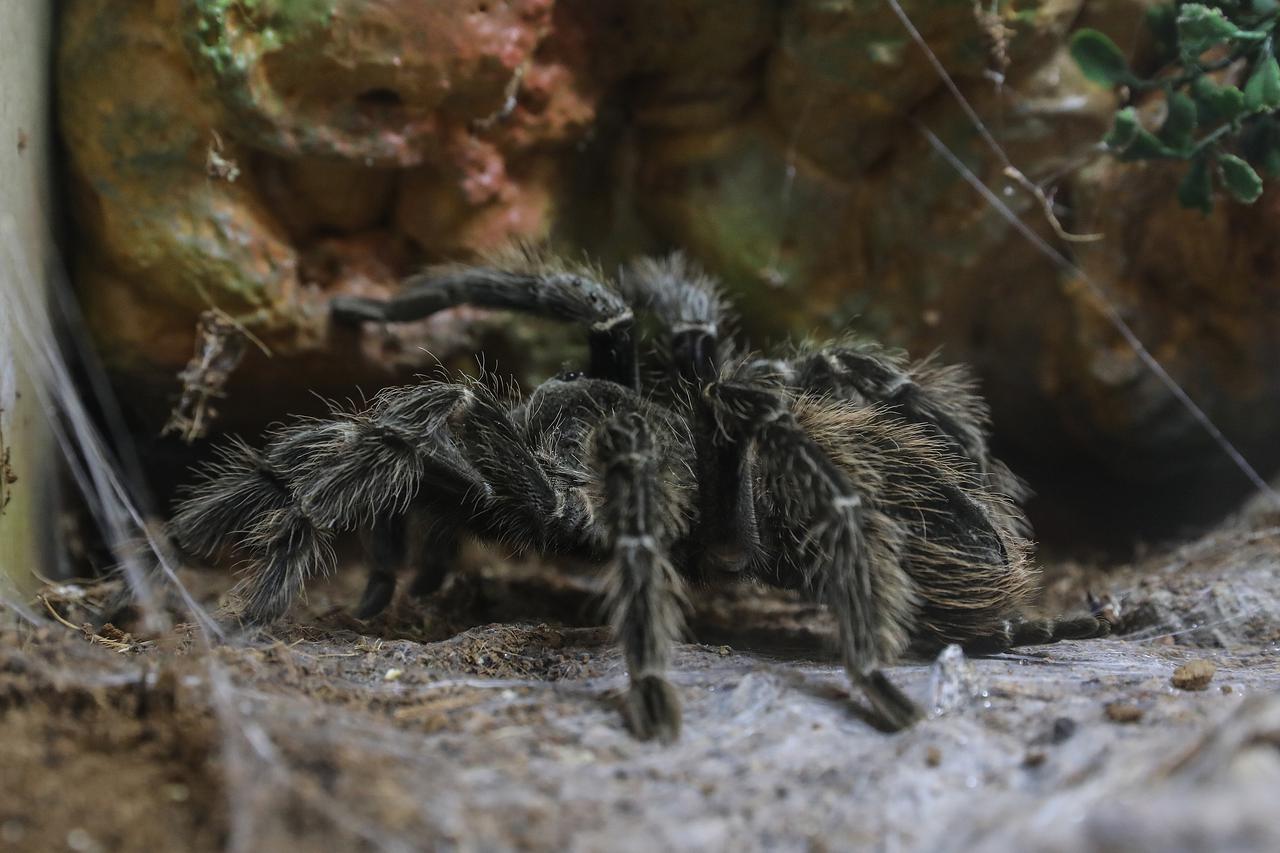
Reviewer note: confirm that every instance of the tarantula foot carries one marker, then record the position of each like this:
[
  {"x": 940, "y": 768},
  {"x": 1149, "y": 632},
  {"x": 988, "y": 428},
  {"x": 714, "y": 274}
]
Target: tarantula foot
[
  {"x": 894, "y": 708},
  {"x": 1082, "y": 628},
  {"x": 1039, "y": 632},
  {"x": 232, "y": 624},
  {"x": 377, "y": 595},
  {"x": 653, "y": 709}
]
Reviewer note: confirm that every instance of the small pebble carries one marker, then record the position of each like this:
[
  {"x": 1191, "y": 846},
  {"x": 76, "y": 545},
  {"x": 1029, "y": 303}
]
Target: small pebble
[
  {"x": 1194, "y": 675},
  {"x": 1063, "y": 729},
  {"x": 393, "y": 675},
  {"x": 932, "y": 756},
  {"x": 1226, "y": 688},
  {"x": 1123, "y": 712},
  {"x": 1034, "y": 758},
  {"x": 80, "y": 840}
]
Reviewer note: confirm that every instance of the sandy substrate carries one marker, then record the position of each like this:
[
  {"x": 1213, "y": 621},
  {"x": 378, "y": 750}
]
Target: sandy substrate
[{"x": 446, "y": 725}]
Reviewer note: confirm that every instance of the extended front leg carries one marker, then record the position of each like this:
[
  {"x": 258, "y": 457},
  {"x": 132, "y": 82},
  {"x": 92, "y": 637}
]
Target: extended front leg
[
  {"x": 642, "y": 514},
  {"x": 526, "y": 281}
]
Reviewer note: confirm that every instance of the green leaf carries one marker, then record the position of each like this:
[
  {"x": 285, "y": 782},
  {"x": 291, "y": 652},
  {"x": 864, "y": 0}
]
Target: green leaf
[
  {"x": 1131, "y": 141},
  {"x": 1179, "y": 123},
  {"x": 1099, "y": 58},
  {"x": 1239, "y": 178},
  {"x": 1196, "y": 189},
  {"x": 1200, "y": 28},
  {"x": 1145, "y": 146},
  {"x": 1262, "y": 92},
  {"x": 1216, "y": 104},
  {"x": 1123, "y": 131}
]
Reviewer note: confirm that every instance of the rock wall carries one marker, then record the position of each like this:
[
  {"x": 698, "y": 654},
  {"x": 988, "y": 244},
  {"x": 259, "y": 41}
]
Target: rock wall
[{"x": 262, "y": 156}]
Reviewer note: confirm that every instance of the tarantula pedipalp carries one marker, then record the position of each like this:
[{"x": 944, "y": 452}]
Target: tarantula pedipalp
[{"x": 842, "y": 470}]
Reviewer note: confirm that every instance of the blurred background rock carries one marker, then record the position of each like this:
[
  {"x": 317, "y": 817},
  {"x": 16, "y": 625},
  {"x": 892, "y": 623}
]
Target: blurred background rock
[{"x": 262, "y": 156}]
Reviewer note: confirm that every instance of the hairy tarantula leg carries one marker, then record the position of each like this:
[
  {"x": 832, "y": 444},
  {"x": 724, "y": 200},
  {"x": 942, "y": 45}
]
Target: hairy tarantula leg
[
  {"x": 862, "y": 581},
  {"x": 645, "y": 592},
  {"x": 238, "y": 488},
  {"x": 384, "y": 548},
  {"x": 288, "y": 549},
  {"x": 1037, "y": 632},
  {"x": 695, "y": 317},
  {"x": 521, "y": 500},
  {"x": 526, "y": 281},
  {"x": 691, "y": 309},
  {"x": 340, "y": 473},
  {"x": 727, "y": 505},
  {"x": 439, "y": 554}
]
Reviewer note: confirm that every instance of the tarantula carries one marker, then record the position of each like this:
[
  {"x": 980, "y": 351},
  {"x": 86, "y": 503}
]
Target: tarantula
[{"x": 842, "y": 470}]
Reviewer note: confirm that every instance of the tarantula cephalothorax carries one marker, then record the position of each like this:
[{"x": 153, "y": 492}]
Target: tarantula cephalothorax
[{"x": 841, "y": 470}]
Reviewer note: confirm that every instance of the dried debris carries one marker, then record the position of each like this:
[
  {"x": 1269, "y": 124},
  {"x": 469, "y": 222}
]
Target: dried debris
[
  {"x": 217, "y": 166},
  {"x": 7, "y": 475},
  {"x": 997, "y": 34},
  {"x": 108, "y": 636},
  {"x": 510, "y": 99},
  {"x": 220, "y": 345},
  {"x": 1194, "y": 675},
  {"x": 1124, "y": 712}
]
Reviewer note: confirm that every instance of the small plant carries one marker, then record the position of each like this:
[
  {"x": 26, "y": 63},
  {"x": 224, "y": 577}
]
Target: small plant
[{"x": 1226, "y": 133}]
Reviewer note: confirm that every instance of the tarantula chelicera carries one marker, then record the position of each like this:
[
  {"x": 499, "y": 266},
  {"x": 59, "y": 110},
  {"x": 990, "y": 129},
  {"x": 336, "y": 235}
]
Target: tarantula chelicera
[{"x": 842, "y": 469}]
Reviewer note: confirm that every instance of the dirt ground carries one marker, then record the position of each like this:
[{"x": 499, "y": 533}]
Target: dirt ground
[{"x": 487, "y": 718}]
